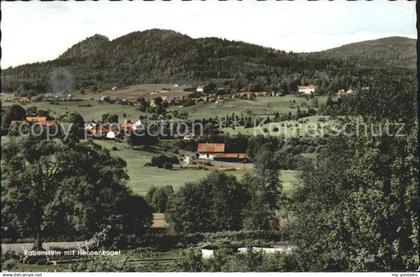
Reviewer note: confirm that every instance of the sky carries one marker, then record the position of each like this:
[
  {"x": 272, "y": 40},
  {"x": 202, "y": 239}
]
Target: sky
[{"x": 39, "y": 31}]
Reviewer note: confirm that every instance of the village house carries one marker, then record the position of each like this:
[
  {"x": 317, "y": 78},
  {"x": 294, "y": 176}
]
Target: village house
[
  {"x": 216, "y": 151},
  {"x": 307, "y": 90},
  {"x": 23, "y": 100},
  {"x": 189, "y": 136},
  {"x": 221, "y": 99},
  {"x": 42, "y": 120},
  {"x": 341, "y": 91},
  {"x": 137, "y": 124},
  {"x": 245, "y": 95},
  {"x": 261, "y": 93},
  {"x": 200, "y": 89}
]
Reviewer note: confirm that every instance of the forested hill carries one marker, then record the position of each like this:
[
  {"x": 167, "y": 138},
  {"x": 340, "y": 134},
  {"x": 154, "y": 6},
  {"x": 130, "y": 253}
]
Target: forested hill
[
  {"x": 385, "y": 52},
  {"x": 156, "y": 56}
]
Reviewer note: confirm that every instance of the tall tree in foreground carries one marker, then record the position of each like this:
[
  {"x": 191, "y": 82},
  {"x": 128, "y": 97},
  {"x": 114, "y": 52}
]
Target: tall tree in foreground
[
  {"x": 264, "y": 190},
  {"x": 53, "y": 188},
  {"x": 358, "y": 208},
  {"x": 213, "y": 204}
]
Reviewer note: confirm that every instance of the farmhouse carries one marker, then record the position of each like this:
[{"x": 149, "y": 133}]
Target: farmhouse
[
  {"x": 137, "y": 124},
  {"x": 245, "y": 95},
  {"x": 40, "y": 120},
  {"x": 32, "y": 119},
  {"x": 216, "y": 151},
  {"x": 209, "y": 150},
  {"x": 261, "y": 93},
  {"x": 307, "y": 90},
  {"x": 23, "y": 100}
]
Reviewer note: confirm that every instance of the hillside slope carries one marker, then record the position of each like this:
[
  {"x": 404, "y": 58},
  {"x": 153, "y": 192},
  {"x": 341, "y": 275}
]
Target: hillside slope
[
  {"x": 163, "y": 56},
  {"x": 385, "y": 52}
]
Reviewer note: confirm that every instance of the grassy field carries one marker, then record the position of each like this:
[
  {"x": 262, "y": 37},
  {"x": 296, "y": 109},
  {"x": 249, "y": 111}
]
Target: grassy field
[
  {"x": 311, "y": 125},
  {"x": 143, "y": 177},
  {"x": 289, "y": 180},
  {"x": 148, "y": 91},
  {"x": 260, "y": 106}
]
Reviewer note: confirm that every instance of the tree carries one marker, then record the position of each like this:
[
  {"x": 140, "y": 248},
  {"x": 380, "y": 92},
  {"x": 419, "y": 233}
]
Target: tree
[
  {"x": 55, "y": 188},
  {"x": 213, "y": 204},
  {"x": 189, "y": 260},
  {"x": 15, "y": 112},
  {"x": 159, "y": 198},
  {"x": 142, "y": 137},
  {"x": 358, "y": 207},
  {"x": 77, "y": 125},
  {"x": 264, "y": 189}
]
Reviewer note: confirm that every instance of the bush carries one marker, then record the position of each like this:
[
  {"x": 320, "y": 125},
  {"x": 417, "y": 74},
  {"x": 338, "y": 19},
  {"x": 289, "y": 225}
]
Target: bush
[
  {"x": 164, "y": 161},
  {"x": 167, "y": 165}
]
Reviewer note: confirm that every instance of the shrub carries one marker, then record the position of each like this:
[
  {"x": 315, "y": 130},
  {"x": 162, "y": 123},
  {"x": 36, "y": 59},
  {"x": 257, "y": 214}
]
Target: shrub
[
  {"x": 167, "y": 165},
  {"x": 164, "y": 161}
]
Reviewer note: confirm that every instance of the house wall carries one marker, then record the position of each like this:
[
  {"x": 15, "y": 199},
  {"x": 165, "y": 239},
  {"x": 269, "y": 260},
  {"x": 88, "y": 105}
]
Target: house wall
[
  {"x": 306, "y": 91},
  {"x": 206, "y": 156},
  {"x": 207, "y": 253}
]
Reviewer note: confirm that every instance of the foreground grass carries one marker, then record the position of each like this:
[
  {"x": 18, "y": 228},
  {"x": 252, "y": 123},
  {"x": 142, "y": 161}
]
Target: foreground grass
[{"x": 157, "y": 261}]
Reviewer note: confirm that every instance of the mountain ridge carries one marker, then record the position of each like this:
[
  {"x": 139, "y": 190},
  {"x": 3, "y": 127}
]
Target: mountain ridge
[{"x": 157, "y": 55}]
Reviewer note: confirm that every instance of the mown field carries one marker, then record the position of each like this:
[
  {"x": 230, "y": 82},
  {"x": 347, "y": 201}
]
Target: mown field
[
  {"x": 262, "y": 106},
  {"x": 311, "y": 125},
  {"x": 92, "y": 110},
  {"x": 142, "y": 177}
]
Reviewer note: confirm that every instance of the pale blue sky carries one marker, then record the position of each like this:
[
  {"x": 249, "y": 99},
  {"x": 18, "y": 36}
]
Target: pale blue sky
[{"x": 39, "y": 31}]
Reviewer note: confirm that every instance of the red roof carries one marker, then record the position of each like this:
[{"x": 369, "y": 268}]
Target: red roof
[
  {"x": 211, "y": 147},
  {"x": 36, "y": 118}
]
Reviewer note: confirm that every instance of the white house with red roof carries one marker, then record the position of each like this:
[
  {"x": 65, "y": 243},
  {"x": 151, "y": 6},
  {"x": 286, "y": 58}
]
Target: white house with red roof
[{"x": 307, "y": 90}]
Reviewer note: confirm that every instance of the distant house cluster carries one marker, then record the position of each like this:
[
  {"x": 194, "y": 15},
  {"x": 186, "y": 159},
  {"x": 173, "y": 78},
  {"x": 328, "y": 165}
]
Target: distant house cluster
[
  {"x": 342, "y": 91},
  {"x": 110, "y": 130},
  {"x": 251, "y": 95}
]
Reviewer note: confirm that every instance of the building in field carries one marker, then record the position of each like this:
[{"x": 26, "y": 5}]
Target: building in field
[
  {"x": 341, "y": 91},
  {"x": 216, "y": 151},
  {"x": 307, "y": 90},
  {"x": 200, "y": 89}
]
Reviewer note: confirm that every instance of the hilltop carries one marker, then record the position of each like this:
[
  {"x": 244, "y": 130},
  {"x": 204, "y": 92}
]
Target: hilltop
[{"x": 384, "y": 52}]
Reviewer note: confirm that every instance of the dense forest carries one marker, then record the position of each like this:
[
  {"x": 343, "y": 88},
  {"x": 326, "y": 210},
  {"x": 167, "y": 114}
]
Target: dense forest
[{"x": 155, "y": 56}]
